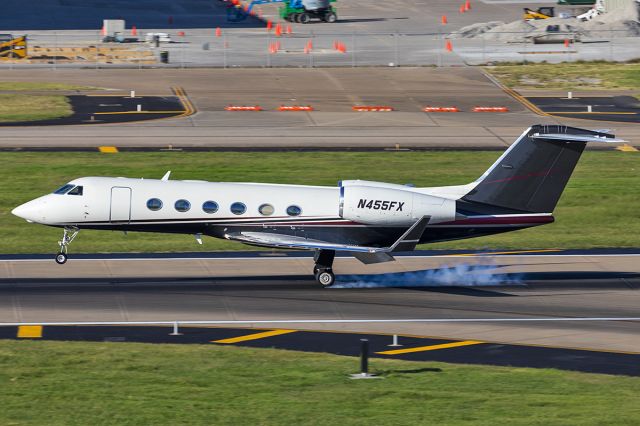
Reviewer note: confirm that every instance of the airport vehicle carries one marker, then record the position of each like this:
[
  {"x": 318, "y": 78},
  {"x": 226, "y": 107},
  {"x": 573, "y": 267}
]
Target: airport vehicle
[
  {"x": 303, "y": 11},
  {"x": 576, "y": 2},
  {"x": 597, "y": 10},
  {"x": 119, "y": 38},
  {"x": 370, "y": 220},
  {"x": 159, "y": 37},
  {"x": 540, "y": 13},
  {"x": 13, "y": 47},
  {"x": 557, "y": 34}
]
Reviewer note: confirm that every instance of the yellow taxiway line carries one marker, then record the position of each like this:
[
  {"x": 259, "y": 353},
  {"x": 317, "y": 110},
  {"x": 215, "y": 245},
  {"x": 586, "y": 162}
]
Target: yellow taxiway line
[
  {"x": 29, "y": 331},
  {"x": 430, "y": 348},
  {"x": 254, "y": 336},
  {"x": 189, "y": 109},
  {"x": 108, "y": 149},
  {"x": 626, "y": 148}
]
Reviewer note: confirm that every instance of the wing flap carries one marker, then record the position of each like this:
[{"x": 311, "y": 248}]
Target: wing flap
[{"x": 406, "y": 242}]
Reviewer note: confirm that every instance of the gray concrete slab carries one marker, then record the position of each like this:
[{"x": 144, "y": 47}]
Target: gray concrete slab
[
  {"x": 282, "y": 288},
  {"x": 332, "y": 92}
]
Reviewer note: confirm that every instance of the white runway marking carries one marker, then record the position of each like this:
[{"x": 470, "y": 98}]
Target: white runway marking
[
  {"x": 445, "y": 256},
  {"x": 326, "y": 321}
]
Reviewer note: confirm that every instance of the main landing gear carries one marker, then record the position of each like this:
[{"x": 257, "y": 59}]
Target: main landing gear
[
  {"x": 322, "y": 269},
  {"x": 67, "y": 236}
]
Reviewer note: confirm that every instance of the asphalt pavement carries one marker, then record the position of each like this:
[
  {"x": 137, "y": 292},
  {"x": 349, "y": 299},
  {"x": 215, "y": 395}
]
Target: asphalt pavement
[
  {"x": 624, "y": 109},
  {"x": 349, "y": 344},
  {"x": 264, "y": 286}
]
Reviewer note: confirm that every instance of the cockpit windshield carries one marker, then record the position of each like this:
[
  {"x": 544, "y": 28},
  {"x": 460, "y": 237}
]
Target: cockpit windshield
[
  {"x": 63, "y": 189},
  {"x": 75, "y": 191}
]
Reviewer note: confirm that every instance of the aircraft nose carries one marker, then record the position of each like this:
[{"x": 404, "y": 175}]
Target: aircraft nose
[{"x": 29, "y": 211}]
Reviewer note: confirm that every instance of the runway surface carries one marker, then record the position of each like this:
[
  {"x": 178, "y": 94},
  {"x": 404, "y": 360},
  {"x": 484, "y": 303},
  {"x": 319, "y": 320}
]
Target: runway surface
[{"x": 265, "y": 286}]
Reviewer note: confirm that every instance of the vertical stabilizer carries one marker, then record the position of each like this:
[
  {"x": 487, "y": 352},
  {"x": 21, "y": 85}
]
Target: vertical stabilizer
[{"x": 531, "y": 175}]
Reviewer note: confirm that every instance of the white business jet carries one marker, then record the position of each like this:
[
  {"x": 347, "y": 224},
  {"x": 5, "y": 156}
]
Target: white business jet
[{"x": 370, "y": 220}]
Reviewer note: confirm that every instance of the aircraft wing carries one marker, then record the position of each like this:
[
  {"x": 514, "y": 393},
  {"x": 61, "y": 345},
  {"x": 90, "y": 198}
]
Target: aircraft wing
[{"x": 407, "y": 241}]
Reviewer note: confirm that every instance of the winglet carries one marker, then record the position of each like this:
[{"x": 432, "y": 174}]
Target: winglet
[{"x": 166, "y": 175}]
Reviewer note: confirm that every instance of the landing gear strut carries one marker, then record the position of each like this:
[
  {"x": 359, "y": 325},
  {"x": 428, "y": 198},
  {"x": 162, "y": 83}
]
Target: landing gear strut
[
  {"x": 67, "y": 236},
  {"x": 322, "y": 269}
]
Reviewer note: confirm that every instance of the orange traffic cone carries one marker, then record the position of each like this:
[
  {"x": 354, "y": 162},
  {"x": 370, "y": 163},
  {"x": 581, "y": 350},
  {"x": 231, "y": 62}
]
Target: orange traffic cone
[
  {"x": 566, "y": 43},
  {"x": 278, "y": 30},
  {"x": 462, "y": 8},
  {"x": 310, "y": 45},
  {"x": 218, "y": 32},
  {"x": 103, "y": 31},
  {"x": 269, "y": 25},
  {"x": 134, "y": 31},
  {"x": 444, "y": 20},
  {"x": 467, "y": 5},
  {"x": 449, "y": 46},
  {"x": 289, "y": 30}
]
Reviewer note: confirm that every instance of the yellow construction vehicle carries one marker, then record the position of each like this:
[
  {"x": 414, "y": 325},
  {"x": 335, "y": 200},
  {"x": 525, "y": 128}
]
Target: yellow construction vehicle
[
  {"x": 11, "y": 47},
  {"x": 540, "y": 13}
]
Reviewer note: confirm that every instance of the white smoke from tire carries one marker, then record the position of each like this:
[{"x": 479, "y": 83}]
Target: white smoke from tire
[{"x": 460, "y": 275}]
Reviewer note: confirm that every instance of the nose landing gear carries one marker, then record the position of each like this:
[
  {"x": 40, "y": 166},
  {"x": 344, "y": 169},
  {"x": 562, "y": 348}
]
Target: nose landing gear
[
  {"x": 67, "y": 236},
  {"x": 322, "y": 270}
]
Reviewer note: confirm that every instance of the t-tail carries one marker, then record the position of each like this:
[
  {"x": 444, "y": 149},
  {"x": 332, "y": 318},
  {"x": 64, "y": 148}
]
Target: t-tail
[{"x": 531, "y": 175}]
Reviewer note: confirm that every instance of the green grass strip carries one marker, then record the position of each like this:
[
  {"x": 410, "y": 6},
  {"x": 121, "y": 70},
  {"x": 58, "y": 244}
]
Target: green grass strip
[
  {"x": 19, "y": 86},
  {"x": 20, "y": 107},
  {"x": 78, "y": 383},
  {"x": 569, "y": 76}
]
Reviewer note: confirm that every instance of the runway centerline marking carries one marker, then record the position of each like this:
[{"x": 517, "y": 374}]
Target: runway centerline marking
[
  {"x": 29, "y": 331},
  {"x": 254, "y": 336},
  {"x": 430, "y": 347}
]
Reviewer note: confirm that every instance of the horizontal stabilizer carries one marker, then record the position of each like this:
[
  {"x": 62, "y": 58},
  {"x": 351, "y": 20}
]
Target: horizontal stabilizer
[{"x": 565, "y": 137}]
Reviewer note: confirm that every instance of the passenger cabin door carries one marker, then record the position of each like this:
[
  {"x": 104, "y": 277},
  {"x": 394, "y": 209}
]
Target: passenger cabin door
[{"x": 120, "y": 204}]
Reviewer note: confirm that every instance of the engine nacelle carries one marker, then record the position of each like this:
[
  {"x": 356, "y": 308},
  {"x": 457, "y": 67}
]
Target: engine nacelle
[{"x": 391, "y": 204}]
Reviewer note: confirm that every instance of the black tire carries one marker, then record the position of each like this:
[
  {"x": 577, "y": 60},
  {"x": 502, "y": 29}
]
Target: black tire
[
  {"x": 304, "y": 18},
  {"x": 330, "y": 17},
  {"x": 295, "y": 18},
  {"x": 61, "y": 258},
  {"x": 326, "y": 278}
]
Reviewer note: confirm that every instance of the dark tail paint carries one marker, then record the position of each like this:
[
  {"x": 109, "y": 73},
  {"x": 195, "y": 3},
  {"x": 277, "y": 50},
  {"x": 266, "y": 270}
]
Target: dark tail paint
[{"x": 532, "y": 174}]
